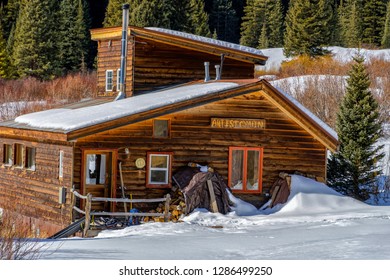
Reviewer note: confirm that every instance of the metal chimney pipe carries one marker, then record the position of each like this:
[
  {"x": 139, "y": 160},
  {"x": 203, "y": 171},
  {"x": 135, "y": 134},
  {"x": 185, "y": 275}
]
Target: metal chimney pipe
[
  {"x": 122, "y": 76},
  {"x": 207, "y": 71},
  {"x": 217, "y": 72}
]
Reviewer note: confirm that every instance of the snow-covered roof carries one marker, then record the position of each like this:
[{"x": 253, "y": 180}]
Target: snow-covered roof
[
  {"x": 73, "y": 119},
  {"x": 208, "y": 40}
]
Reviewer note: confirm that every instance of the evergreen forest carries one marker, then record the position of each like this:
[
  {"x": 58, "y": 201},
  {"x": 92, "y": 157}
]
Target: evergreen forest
[{"x": 45, "y": 39}]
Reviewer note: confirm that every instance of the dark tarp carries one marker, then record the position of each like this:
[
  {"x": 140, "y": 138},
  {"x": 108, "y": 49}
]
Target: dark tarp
[
  {"x": 196, "y": 192},
  {"x": 184, "y": 175}
]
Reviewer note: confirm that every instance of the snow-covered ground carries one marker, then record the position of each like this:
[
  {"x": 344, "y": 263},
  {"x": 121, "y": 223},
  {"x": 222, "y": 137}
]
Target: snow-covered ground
[{"x": 315, "y": 223}]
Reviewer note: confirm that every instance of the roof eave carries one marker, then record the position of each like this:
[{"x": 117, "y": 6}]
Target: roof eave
[{"x": 170, "y": 39}]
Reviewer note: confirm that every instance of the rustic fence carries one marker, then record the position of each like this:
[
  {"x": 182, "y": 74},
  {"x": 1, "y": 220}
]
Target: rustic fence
[{"x": 89, "y": 199}]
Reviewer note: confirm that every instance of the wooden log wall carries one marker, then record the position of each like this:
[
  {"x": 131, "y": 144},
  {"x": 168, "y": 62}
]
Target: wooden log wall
[
  {"x": 287, "y": 147},
  {"x": 157, "y": 64},
  {"x": 35, "y": 193},
  {"x": 152, "y": 65},
  {"x": 109, "y": 58}
]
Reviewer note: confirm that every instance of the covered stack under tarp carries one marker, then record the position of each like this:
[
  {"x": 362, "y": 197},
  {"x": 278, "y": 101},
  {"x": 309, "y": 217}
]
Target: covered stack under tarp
[{"x": 193, "y": 185}]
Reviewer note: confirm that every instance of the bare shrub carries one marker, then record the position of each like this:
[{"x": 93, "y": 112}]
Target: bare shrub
[
  {"x": 319, "y": 84},
  {"x": 30, "y": 95},
  {"x": 321, "y": 94}
]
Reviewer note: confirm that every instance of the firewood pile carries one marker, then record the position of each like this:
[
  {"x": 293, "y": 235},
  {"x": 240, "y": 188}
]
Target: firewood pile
[{"x": 177, "y": 208}]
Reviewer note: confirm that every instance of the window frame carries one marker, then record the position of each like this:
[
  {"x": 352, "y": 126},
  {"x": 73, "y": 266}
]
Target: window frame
[
  {"x": 112, "y": 80},
  {"x": 149, "y": 184},
  {"x": 8, "y": 156},
  {"x": 19, "y": 155},
  {"x": 168, "y": 129},
  {"x": 118, "y": 73},
  {"x": 245, "y": 169},
  {"x": 27, "y": 157}
]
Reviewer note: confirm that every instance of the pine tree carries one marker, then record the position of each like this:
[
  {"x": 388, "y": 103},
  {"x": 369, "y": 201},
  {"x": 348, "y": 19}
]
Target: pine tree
[
  {"x": 350, "y": 23},
  {"x": 359, "y": 128},
  {"x": 198, "y": 19},
  {"x": 251, "y": 25},
  {"x": 36, "y": 42},
  {"x": 152, "y": 13},
  {"x": 223, "y": 20},
  {"x": 373, "y": 15},
  {"x": 335, "y": 23},
  {"x": 274, "y": 17},
  {"x": 263, "y": 39},
  {"x": 4, "y": 59},
  {"x": 74, "y": 42},
  {"x": 386, "y": 32},
  {"x": 308, "y": 27},
  {"x": 114, "y": 12},
  {"x": 9, "y": 16}
]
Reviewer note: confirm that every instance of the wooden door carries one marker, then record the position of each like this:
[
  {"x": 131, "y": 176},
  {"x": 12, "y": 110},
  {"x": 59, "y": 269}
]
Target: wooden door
[{"x": 99, "y": 177}]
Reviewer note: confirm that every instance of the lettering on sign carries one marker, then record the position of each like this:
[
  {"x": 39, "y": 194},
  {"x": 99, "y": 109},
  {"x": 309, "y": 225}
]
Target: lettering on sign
[{"x": 238, "y": 123}]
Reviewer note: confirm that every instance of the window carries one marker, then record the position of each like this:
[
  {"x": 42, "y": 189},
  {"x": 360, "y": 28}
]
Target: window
[
  {"x": 245, "y": 168},
  {"x": 96, "y": 166},
  {"x": 109, "y": 80},
  {"x": 118, "y": 79},
  {"x": 18, "y": 155},
  {"x": 8, "y": 159},
  {"x": 159, "y": 169},
  {"x": 61, "y": 165},
  {"x": 161, "y": 128},
  {"x": 30, "y": 158}
]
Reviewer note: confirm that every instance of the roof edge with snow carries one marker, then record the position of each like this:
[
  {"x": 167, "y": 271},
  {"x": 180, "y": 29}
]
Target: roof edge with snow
[
  {"x": 81, "y": 122},
  {"x": 185, "y": 40}
]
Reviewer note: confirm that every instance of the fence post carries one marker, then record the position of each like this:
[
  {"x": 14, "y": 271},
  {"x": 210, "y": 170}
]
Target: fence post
[
  {"x": 88, "y": 205},
  {"x": 166, "y": 210}
]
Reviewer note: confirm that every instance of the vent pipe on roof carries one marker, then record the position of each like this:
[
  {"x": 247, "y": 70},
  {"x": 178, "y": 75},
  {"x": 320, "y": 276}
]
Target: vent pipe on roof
[
  {"x": 222, "y": 60},
  {"x": 217, "y": 72},
  {"x": 122, "y": 73},
  {"x": 207, "y": 71}
]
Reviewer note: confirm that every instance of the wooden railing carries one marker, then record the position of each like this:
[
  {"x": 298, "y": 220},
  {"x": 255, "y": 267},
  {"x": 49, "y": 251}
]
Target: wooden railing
[{"x": 89, "y": 199}]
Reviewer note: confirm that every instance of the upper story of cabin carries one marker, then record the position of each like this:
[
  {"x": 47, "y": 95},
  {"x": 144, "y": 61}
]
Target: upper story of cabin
[{"x": 157, "y": 58}]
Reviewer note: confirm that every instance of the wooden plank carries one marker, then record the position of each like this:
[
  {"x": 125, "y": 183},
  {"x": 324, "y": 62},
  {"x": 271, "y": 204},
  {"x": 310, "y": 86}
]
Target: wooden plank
[{"x": 213, "y": 202}]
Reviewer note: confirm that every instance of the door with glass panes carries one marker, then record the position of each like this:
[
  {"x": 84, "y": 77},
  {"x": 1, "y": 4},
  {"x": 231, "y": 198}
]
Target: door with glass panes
[{"x": 99, "y": 177}]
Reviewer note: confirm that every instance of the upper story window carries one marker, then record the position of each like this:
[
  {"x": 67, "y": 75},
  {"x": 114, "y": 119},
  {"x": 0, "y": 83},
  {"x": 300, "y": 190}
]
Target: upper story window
[
  {"x": 18, "y": 155},
  {"x": 245, "y": 169},
  {"x": 7, "y": 154},
  {"x": 30, "y": 158},
  {"x": 159, "y": 169},
  {"x": 109, "y": 80},
  {"x": 161, "y": 128}
]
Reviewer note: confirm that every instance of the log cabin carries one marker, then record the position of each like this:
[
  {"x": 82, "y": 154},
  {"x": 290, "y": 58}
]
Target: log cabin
[{"x": 243, "y": 127}]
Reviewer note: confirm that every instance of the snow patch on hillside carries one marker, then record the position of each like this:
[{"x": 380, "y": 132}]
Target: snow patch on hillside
[{"x": 276, "y": 56}]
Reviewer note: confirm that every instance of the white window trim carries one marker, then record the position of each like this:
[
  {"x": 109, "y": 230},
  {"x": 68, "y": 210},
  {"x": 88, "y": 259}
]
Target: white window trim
[
  {"x": 112, "y": 80},
  {"x": 166, "y": 169}
]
